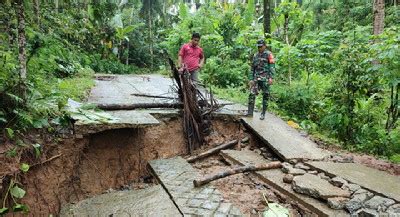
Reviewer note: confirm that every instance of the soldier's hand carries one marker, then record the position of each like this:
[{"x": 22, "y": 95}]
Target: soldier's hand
[{"x": 270, "y": 81}]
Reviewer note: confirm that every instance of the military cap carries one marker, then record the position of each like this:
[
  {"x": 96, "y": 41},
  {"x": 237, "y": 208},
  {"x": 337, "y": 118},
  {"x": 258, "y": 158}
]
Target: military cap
[{"x": 260, "y": 42}]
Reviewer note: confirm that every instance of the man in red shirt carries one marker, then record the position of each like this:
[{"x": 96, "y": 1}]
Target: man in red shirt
[{"x": 191, "y": 57}]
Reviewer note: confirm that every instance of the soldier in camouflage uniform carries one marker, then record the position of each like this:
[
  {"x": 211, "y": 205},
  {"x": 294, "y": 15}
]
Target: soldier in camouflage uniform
[{"x": 260, "y": 77}]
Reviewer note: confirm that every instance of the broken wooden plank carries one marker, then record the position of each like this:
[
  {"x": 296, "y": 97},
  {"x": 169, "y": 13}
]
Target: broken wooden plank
[
  {"x": 215, "y": 150},
  {"x": 242, "y": 169}
]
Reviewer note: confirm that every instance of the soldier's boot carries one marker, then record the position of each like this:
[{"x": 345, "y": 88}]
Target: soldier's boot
[
  {"x": 264, "y": 108},
  {"x": 250, "y": 110},
  {"x": 250, "y": 107}
]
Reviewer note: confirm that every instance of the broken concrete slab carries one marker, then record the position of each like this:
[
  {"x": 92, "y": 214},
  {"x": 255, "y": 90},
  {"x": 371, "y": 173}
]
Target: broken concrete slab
[
  {"x": 379, "y": 203},
  {"x": 121, "y": 88},
  {"x": 146, "y": 90},
  {"x": 394, "y": 210},
  {"x": 84, "y": 124},
  {"x": 367, "y": 213},
  {"x": 338, "y": 182},
  {"x": 357, "y": 201},
  {"x": 289, "y": 169},
  {"x": 282, "y": 139},
  {"x": 337, "y": 202},
  {"x": 316, "y": 187},
  {"x": 374, "y": 180},
  {"x": 274, "y": 178},
  {"x": 177, "y": 175},
  {"x": 145, "y": 202},
  {"x": 351, "y": 187},
  {"x": 301, "y": 166}
]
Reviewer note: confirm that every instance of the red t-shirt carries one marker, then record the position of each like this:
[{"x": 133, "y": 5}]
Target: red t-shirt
[{"x": 191, "y": 56}]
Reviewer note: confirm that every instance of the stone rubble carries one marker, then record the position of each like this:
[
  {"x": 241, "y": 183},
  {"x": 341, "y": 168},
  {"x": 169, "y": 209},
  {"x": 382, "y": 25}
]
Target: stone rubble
[
  {"x": 288, "y": 168},
  {"x": 323, "y": 176},
  {"x": 338, "y": 182},
  {"x": 379, "y": 203},
  {"x": 351, "y": 187},
  {"x": 337, "y": 202},
  {"x": 301, "y": 166},
  {"x": 357, "y": 201},
  {"x": 316, "y": 187},
  {"x": 394, "y": 210},
  {"x": 288, "y": 178}
]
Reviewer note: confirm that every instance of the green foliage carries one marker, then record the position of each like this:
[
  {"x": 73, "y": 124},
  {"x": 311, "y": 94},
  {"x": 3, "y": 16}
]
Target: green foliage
[
  {"x": 24, "y": 167},
  {"x": 326, "y": 78}
]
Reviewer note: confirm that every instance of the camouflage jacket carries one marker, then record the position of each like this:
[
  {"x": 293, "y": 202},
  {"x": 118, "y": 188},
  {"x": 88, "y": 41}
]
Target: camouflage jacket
[{"x": 262, "y": 66}]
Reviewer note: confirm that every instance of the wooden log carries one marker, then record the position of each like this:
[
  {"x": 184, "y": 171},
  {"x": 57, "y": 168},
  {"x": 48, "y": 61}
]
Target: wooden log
[
  {"x": 215, "y": 150},
  {"x": 241, "y": 169},
  {"x": 138, "y": 106},
  {"x": 153, "y": 96}
]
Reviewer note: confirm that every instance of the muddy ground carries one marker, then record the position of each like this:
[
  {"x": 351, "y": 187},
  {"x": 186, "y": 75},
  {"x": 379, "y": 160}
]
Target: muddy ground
[{"x": 71, "y": 169}]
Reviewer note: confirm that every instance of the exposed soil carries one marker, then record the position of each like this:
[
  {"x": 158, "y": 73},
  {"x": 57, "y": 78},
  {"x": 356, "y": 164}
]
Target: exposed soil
[
  {"x": 95, "y": 164},
  {"x": 71, "y": 169},
  {"x": 244, "y": 190}
]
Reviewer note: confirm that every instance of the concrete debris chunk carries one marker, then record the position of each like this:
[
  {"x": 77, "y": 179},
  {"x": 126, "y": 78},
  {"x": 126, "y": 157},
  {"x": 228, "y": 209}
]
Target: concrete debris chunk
[
  {"x": 288, "y": 168},
  {"x": 338, "y": 158},
  {"x": 323, "y": 176},
  {"x": 288, "y": 178},
  {"x": 394, "y": 210},
  {"x": 338, "y": 181},
  {"x": 351, "y": 187},
  {"x": 314, "y": 172},
  {"x": 316, "y": 187},
  {"x": 379, "y": 203},
  {"x": 301, "y": 166},
  {"x": 361, "y": 191},
  {"x": 357, "y": 201},
  {"x": 337, "y": 202},
  {"x": 367, "y": 213}
]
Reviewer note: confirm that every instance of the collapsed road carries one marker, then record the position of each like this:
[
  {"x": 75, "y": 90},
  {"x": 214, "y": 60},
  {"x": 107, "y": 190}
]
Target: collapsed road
[{"x": 135, "y": 162}]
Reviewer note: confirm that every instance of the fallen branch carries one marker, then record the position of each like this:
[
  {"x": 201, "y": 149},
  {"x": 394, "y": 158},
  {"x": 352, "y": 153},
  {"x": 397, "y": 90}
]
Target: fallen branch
[
  {"x": 138, "y": 106},
  {"x": 215, "y": 150},
  {"x": 153, "y": 96},
  {"x": 242, "y": 169}
]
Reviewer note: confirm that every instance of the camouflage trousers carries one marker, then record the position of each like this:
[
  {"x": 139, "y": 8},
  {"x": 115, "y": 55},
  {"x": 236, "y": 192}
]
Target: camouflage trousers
[{"x": 258, "y": 86}]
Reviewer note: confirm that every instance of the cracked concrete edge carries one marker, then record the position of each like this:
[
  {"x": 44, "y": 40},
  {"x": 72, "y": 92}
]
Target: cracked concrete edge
[
  {"x": 151, "y": 170},
  {"x": 281, "y": 190},
  {"x": 330, "y": 174},
  {"x": 282, "y": 157}
]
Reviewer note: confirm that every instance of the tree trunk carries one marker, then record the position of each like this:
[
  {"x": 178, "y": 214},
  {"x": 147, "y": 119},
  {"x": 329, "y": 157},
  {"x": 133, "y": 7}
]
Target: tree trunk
[
  {"x": 286, "y": 28},
  {"x": 215, "y": 150},
  {"x": 379, "y": 16},
  {"x": 267, "y": 19},
  {"x": 242, "y": 169},
  {"x": 21, "y": 39},
  {"x": 150, "y": 36},
  {"x": 36, "y": 8}
]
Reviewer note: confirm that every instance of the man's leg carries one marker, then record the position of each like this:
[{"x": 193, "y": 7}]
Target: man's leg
[
  {"x": 194, "y": 76},
  {"x": 250, "y": 108},
  {"x": 265, "y": 93}
]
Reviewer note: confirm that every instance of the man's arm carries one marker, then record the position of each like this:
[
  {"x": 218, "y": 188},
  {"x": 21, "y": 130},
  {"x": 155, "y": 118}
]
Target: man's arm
[
  {"x": 201, "y": 63},
  {"x": 179, "y": 61}
]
